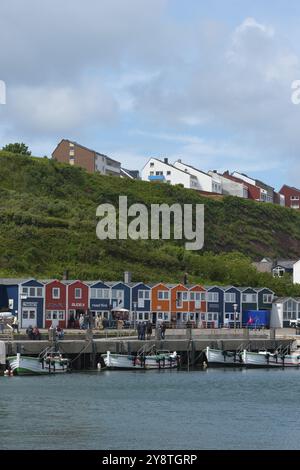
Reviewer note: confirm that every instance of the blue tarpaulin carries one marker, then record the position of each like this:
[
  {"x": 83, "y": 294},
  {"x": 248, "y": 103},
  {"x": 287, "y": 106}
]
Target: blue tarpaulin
[{"x": 256, "y": 318}]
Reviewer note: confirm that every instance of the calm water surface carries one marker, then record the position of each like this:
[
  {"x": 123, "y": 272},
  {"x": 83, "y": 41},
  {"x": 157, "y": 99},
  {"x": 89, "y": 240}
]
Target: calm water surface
[{"x": 215, "y": 409}]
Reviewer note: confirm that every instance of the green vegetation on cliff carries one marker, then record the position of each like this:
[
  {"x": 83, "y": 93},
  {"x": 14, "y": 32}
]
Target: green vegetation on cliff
[{"x": 48, "y": 221}]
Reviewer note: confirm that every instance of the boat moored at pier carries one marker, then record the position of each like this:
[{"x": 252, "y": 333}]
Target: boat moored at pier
[
  {"x": 222, "y": 357},
  {"x": 160, "y": 360},
  {"x": 245, "y": 358},
  {"x": 267, "y": 359},
  {"x": 48, "y": 363}
]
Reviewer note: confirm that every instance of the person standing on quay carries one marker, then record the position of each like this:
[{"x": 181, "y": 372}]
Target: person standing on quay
[
  {"x": 143, "y": 331},
  {"x": 139, "y": 330},
  {"x": 163, "y": 330},
  {"x": 149, "y": 330}
]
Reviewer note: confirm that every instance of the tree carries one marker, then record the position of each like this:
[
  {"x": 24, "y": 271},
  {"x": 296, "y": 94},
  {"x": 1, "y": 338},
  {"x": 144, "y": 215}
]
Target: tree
[{"x": 19, "y": 148}]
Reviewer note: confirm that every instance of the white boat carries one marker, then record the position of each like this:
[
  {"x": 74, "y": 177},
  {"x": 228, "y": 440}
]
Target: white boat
[
  {"x": 266, "y": 359},
  {"x": 218, "y": 356},
  {"x": 51, "y": 363},
  {"x": 160, "y": 360}
]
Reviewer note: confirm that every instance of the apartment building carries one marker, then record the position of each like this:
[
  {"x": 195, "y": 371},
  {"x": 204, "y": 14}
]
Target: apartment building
[
  {"x": 230, "y": 187},
  {"x": 266, "y": 192},
  {"x": 206, "y": 182},
  {"x": 71, "y": 152},
  {"x": 162, "y": 171},
  {"x": 292, "y": 196}
]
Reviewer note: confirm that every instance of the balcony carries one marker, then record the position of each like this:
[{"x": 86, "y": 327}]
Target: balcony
[{"x": 156, "y": 178}]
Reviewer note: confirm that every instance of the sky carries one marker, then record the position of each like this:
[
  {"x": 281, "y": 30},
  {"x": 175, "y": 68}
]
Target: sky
[{"x": 205, "y": 81}]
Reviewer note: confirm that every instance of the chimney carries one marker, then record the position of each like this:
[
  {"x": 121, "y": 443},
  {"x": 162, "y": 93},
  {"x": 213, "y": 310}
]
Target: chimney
[
  {"x": 66, "y": 275},
  {"x": 179, "y": 160},
  {"x": 127, "y": 277},
  {"x": 166, "y": 160}
]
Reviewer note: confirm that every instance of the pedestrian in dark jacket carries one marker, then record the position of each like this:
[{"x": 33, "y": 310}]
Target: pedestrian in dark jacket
[
  {"x": 143, "y": 331},
  {"x": 149, "y": 330},
  {"x": 139, "y": 332}
]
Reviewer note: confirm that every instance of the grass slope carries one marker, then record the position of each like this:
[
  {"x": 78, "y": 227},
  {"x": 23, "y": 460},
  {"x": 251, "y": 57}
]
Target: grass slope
[{"x": 48, "y": 221}]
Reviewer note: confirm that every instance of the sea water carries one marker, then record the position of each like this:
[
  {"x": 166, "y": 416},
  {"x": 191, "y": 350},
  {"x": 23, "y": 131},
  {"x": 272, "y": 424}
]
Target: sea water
[{"x": 212, "y": 409}]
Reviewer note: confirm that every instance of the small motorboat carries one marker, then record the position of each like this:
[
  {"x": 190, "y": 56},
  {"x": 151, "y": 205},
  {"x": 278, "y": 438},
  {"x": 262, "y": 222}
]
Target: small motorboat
[
  {"x": 224, "y": 358},
  {"x": 159, "y": 360},
  {"x": 49, "y": 362},
  {"x": 267, "y": 359}
]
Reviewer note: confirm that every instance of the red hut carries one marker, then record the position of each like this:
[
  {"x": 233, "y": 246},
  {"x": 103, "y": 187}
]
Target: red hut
[
  {"x": 56, "y": 304},
  {"x": 78, "y": 300}
]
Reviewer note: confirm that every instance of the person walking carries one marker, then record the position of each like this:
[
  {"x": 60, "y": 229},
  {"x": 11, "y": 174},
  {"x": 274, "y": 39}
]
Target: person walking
[
  {"x": 15, "y": 324},
  {"x": 81, "y": 321}
]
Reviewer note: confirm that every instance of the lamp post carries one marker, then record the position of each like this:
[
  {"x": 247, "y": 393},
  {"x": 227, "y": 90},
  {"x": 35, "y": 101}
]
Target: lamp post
[
  {"x": 235, "y": 306},
  {"x": 134, "y": 314}
]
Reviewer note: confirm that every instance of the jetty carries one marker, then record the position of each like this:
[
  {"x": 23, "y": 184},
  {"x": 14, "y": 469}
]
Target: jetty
[{"x": 85, "y": 348}]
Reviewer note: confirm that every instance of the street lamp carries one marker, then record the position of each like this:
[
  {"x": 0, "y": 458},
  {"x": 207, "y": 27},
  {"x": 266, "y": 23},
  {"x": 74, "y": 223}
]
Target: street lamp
[
  {"x": 134, "y": 314},
  {"x": 235, "y": 306}
]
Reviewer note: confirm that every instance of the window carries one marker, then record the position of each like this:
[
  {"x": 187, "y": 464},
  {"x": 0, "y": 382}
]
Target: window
[
  {"x": 56, "y": 314},
  {"x": 78, "y": 293},
  {"x": 249, "y": 298},
  {"x": 267, "y": 298},
  {"x": 144, "y": 294},
  {"x": 159, "y": 173},
  {"x": 168, "y": 172},
  {"x": 278, "y": 272},
  {"x": 32, "y": 291},
  {"x": 230, "y": 297},
  {"x": 99, "y": 293},
  {"x": 151, "y": 164},
  {"x": 151, "y": 173},
  {"x": 146, "y": 315},
  {"x": 213, "y": 297},
  {"x": 56, "y": 293},
  {"x": 119, "y": 294},
  {"x": 184, "y": 295},
  {"x": 290, "y": 310},
  {"x": 197, "y": 296},
  {"x": 163, "y": 295}
]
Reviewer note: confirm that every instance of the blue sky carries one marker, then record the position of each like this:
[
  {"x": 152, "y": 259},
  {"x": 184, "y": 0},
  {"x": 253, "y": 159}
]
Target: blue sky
[{"x": 206, "y": 81}]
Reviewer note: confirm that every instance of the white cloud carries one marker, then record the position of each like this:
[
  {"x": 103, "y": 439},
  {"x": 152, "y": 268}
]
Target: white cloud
[{"x": 53, "y": 110}]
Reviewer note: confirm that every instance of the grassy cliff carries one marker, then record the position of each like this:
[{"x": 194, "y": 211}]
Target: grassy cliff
[{"x": 48, "y": 221}]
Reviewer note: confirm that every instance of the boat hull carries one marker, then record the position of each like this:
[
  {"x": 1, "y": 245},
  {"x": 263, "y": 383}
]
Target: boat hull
[
  {"x": 119, "y": 361},
  {"x": 252, "y": 359},
  {"x": 21, "y": 365},
  {"x": 223, "y": 358}
]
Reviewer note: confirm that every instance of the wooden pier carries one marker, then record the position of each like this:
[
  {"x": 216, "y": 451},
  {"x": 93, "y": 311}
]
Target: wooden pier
[{"x": 85, "y": 349}]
